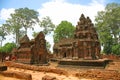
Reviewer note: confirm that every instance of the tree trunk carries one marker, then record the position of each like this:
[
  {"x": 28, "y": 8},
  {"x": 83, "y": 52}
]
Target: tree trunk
[
  {"x": 25, "y": 31},
  {"x": 17, "y": 38},
  {"x": 0, "y": 43}
]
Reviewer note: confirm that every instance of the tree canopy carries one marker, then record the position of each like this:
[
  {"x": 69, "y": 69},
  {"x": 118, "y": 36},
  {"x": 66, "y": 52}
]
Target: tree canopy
[
  {"x": 27, "y": 17},
  {"x": 47, "y": 25},
  {"x": 108, "y": 27},
  {"x": 2, "y": 35},
  {"x": 7, "y": 48},
  {"x": 64, "y": 30},
  {"x": 22, "y": 18}
]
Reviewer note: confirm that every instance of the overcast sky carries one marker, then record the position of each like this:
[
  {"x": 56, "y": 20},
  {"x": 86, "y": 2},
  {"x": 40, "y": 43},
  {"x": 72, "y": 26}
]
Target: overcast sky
[{"x": 57, "y": 10}]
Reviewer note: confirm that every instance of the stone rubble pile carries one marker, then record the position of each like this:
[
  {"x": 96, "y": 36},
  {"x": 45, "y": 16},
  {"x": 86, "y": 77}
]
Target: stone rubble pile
[{"x": 99, "y": 74}]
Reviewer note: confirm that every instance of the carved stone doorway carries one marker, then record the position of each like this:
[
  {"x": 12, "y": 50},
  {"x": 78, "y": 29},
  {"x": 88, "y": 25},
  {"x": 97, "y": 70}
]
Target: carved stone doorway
[{"x": 64, "y": 55}]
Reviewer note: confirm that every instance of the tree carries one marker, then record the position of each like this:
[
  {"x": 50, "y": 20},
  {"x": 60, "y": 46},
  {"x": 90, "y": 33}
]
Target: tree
[
  {"x": 12, "y": 26},
  {"x": 2, "y": 35},
  {"x": 116, "y": 49},
  {"x": 23, "y": 17},
  {"x": 48, "y": 45},
  {"x": 27, "y": 17},
  {"x": 47, "y": 25},
  {"x": 7, "y": 48},
  {"x": 64, "y": 30},
  {"x": 108, "y": 26},
  {"x": 35, "y": 34},
  {"x": 108, "y": 45}
]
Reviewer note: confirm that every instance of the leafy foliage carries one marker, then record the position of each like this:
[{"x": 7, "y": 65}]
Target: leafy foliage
[
  {"x": 7, "y": 48},
  {"x": 108, "y": 26},
  {"x": 108, "y": 46},
  {"x": 23, "y": 17},
  {"x": 64, "y": 30},
  {"x": 2, "y": 34},
  {"x": 48, "y": 45},
  {"x": 47, "y": 25},
  {"x": 35, "y": 34},
  {"x": 116, "y": 49},
  {"x": 27, "y": 17},
  {"x": 12, "y": 26}
]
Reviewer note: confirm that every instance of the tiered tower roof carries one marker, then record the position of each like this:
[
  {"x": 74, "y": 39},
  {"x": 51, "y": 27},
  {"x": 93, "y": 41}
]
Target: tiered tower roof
[
  {"x": 85, "y": 29},
  {"x": 25, "y": 39}
]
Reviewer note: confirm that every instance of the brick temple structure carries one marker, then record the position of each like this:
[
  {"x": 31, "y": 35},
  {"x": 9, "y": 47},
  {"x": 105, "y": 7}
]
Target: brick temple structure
[
  {"x": 84, "y": 45},
  {"x": 32, "y": 51},
  {"x": 38, "y": 50}
]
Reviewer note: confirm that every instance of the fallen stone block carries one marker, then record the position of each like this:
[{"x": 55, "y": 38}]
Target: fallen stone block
[
  {"x": 19, "y": 75},
  {"x": 46, "y": 77}
]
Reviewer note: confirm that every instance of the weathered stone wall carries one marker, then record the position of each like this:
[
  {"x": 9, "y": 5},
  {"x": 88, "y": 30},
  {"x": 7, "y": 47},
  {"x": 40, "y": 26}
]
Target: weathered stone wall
[{"x": 37, "y": 68}]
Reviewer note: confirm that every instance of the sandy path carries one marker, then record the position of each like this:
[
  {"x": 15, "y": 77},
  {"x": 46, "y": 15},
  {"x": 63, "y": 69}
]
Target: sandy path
[{"x": 38, "y": 75}]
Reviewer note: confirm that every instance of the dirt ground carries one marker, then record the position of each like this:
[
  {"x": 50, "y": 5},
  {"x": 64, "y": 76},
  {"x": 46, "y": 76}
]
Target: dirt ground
[{"x": 36, "y": 75}]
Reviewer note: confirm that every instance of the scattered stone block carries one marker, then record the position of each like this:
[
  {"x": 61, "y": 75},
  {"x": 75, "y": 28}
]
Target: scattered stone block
[
  {"x": 46, "y": 77},
  {"x": 22, "y": 75}
]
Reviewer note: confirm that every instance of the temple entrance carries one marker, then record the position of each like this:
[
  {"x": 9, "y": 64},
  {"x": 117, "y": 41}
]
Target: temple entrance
[{"x": 64, "y": 55}]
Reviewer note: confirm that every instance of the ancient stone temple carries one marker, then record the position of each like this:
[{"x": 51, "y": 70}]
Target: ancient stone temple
[
  {"x": 39, "y": 50},
  {"x": 24, "y": 51},
  {"x": 84, "y": 45},
  {"x": 34, "y": 51}
]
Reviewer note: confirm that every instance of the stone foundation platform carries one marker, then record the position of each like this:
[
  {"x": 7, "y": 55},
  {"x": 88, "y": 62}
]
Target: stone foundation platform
[{"x": 89, "y": 63}]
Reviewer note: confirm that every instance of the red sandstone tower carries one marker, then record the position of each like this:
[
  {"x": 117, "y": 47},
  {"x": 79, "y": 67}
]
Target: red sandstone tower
[
  {"x": 88, "y": 46},
  {"x": 33, "y": 52}
]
